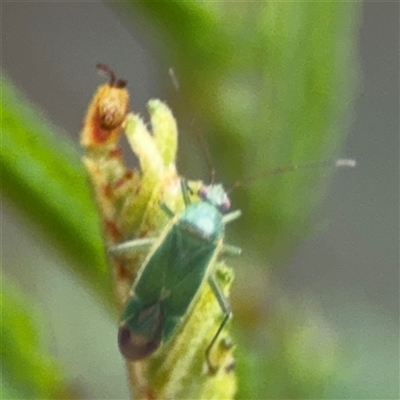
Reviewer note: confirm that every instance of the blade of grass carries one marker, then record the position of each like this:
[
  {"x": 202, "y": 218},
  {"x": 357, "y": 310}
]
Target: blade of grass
[
  {"x": 28, "y": 371},
  {"x": 43, "y": 179}
]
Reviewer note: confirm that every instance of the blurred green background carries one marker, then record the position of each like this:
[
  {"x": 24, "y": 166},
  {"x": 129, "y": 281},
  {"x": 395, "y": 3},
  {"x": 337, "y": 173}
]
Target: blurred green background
[{"x": 267, "y": 85}]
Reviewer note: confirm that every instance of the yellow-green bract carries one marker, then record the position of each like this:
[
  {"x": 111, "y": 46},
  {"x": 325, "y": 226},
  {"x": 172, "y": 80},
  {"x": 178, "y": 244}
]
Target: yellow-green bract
[{"x": 178, "y": 264}]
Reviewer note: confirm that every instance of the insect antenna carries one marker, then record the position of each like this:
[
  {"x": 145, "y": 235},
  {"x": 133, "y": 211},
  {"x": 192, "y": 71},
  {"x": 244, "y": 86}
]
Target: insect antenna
[
  {"x": 342, "y": 162},
  {"x": 201, "y": 141},
  {"x": 113, "y": 81},
  {"x": 207, "y": 155},
  {"x": 174, "y": 78}
]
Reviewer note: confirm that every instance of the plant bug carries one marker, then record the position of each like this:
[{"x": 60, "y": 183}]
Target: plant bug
[{"x": 178, "y": 264}]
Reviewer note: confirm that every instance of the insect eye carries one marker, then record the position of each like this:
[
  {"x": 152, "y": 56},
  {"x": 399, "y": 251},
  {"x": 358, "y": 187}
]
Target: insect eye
[
  {"x": 225, "y": 205},
  {"x": 203, "y": 192}
]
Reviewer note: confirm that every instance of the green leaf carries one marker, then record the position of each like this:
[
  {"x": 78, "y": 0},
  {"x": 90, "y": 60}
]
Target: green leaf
[
  {"x": 42, "y": 177},
  {"x": 28, "y": 371}
]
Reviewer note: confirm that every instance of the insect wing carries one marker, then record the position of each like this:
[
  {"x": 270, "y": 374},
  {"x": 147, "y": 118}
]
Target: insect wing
[
  {"x": 150, "y": 281},
  {"x": 140, "y": 331},
  {"x": 188, "y": 271}
]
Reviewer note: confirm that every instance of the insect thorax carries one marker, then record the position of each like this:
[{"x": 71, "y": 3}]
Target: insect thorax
[{"x": 204, "y": 220}]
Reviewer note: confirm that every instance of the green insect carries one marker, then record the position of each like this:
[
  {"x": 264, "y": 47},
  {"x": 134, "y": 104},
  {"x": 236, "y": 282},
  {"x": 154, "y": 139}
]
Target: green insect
[{"x": 178, "y": 263}]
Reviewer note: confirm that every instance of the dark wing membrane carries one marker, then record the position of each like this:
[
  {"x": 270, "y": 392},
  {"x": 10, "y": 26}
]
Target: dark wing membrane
[{"x": 140, "y": 332}]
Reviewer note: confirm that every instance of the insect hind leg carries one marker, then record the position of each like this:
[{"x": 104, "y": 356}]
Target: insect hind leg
[{"x": 226, "y": 309}]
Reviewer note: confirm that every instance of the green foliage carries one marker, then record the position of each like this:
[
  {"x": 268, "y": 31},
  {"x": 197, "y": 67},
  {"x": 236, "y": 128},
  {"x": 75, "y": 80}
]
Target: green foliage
[
  {"x": 28, "y": 371},
  {"x": 299, "y": 356},
  {"x": 43, "y": 178}
]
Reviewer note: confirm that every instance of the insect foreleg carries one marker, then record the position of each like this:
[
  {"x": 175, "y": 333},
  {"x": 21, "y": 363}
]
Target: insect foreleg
[
  {"x": 231, "y": 216},
  {"x": 131, "y": 246},
  {"x": 226, "y": 309}
]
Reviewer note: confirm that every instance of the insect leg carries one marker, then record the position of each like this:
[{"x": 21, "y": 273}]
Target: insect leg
[
  {"x": 231, "y": 216},
  {"x": 226, "y": 309},
  {"x": 131, "y": 246},
  {"x": 230, "y": 250}
]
